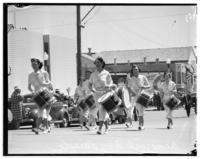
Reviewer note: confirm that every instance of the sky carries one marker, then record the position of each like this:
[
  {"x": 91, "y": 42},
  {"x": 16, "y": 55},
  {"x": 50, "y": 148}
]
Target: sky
[{"x": 114, "y": 27}]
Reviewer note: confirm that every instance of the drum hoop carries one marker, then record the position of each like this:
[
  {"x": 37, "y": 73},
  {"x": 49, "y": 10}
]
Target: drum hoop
[
  {"x": 108, "y": 94},
  {"x": 46, "y": 102},
  {"x": 82, "y": 102},
  {"x": 111, "y": 110},
  {"x": 89, "y": 96},
  {"x": 41, "y": 99},
  {"x": 148, "y": 100}
]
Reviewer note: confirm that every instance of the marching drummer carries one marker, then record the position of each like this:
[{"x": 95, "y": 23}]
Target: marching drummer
[
  {"x": 167, "y": 88},
  {"x": 136, "y": 84},
  {"x": 100, "y": 83},
  {"x": 92, "y": 110},
  {"x": 79, "y": 96},
  {"x": 36, "y": 80},
  {"x": 124, "y": 94}
]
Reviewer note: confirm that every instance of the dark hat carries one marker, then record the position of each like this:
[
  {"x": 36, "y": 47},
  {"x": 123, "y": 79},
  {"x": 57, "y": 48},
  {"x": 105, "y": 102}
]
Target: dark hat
[
  {"x": 100, "y": 59},
  {"x": 16, "y": 88},
  {"x": 88, "y": 71},
  {"x": 35, "y": 59},
  {"x": 38, "y": 61}
]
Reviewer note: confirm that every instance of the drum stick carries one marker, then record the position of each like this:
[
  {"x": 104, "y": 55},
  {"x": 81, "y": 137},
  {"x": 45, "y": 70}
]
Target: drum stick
[{"x": 76, "y": 100}]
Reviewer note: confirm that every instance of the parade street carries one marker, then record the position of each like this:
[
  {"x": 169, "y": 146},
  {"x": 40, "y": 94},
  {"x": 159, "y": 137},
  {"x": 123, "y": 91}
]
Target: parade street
[{"x": 155, "y": 139}]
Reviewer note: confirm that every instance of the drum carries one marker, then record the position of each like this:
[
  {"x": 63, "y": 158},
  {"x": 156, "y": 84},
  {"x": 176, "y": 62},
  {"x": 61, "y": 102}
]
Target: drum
[
  {"x": 83, "y": 105},
  {"x": 143, "y": 99},
  {"x": 109, "y": 101},
  {"x": 172, "y": 102},
  {"x": 10, "y": 116},
  {"x": 44, "y": 97},
  {"x": 123, "y": 94},
  {"x": 90, "y": 101}
]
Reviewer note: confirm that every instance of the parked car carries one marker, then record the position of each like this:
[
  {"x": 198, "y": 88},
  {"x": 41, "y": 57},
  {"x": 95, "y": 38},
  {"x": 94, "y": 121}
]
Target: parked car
[{"x": 63, "y": 113}]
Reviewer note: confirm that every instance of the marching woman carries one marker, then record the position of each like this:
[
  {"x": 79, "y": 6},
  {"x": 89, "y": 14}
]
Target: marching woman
[
  {"x": 136, "y": 84},
  {"x": 92, "y": 110},
  {"x": 100, "y": 83},
  {"x": 36, "y": 80},
  {"x": 167, "y": 88},
  {"x": 79, "y": 97}
]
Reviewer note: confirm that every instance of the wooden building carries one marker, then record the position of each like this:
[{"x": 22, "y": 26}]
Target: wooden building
[{"x": 181, "y": 61}]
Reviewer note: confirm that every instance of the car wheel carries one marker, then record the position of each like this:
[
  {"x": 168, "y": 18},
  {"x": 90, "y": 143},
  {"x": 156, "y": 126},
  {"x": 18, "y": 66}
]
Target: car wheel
[
  {"x": 15, "y": 125},
  {"x": 120, "y": 120},
  {"x": 65, "y": 122},
  {"x": 123, "y": 119},
  {"x": 34, "y": 122}
]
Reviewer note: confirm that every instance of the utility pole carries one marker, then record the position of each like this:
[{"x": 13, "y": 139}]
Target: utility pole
[
  {"x": 79, "y": 26},
  {"x": 78, "y": 43}
]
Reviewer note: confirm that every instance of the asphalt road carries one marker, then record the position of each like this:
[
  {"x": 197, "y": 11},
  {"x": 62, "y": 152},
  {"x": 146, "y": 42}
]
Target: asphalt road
[{"x": 155, "y": 139}]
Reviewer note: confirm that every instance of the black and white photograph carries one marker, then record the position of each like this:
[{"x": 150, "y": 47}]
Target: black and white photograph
[{"x": 100, "y": 79}]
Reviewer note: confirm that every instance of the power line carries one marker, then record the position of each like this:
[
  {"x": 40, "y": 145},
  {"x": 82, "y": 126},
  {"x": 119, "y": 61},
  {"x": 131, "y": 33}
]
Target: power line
[
  {"x": 150, "y": 31},
  {"x": 50, "y": 26},
  {"x": 93, "y": 15},
  {"x": 137, "y": 18},
  {"x": 88, "y": 13},
  {"x": 141, "y": 36},
  {"x": 116, "y": 29},
  {"x": 127, "y": 30}
]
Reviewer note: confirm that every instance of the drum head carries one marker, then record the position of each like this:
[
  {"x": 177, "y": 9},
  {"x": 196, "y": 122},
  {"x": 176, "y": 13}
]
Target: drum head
[
  {"x": 143, "y": 99},
  {"x": 104, "y": 97},
  {"x": 90, "y": 101},
  {"x": 83, "y": 105},
  {"x": 126, "y": 98}
]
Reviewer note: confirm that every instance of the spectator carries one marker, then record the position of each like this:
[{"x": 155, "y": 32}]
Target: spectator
[
  {"x": 79, "y": 97},
  {"x": 157, "y": 100},
  {"x": 16, "y": 106}
]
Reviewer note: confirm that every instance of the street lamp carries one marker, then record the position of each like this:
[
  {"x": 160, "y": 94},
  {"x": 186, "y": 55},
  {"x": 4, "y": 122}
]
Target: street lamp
[{"x": 168, "y": 61}]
